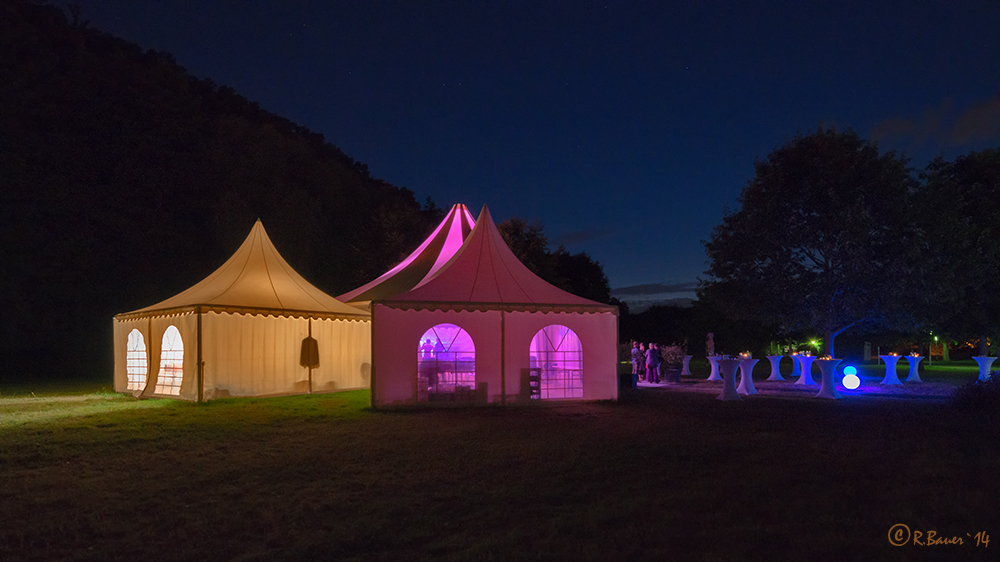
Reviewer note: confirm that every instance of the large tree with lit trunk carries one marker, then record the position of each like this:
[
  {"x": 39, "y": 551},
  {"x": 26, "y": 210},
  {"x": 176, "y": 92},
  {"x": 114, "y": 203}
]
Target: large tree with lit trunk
[{"x": 821, "y": 239}]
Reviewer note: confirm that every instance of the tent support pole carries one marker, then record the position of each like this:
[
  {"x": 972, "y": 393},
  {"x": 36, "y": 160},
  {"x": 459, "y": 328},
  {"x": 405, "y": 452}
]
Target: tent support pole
[
  {"x": 151, "y": 375},
  {"x": 618, "y": 365},
  {"x": 201, "y": 363},
  {"x": 503, "y": 359},
  {"x": 371, "y": 379},
  {"x": 310, "y": 366}
]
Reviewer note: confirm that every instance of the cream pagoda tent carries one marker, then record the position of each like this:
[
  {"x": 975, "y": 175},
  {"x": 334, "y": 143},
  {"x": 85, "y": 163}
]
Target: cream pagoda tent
[
  {"x": 422, "y": 264},
  {"x": 486, "y": 329},
  {"x": 254, "y": 327}
]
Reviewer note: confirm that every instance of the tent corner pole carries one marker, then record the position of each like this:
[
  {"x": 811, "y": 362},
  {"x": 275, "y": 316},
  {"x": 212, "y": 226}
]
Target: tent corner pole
[
  {"x": 201, "y": 362},
  {"x": 371, "y": 346},
  {"x": 310, "y": 366},
  {"x": 503, "y": 359}
]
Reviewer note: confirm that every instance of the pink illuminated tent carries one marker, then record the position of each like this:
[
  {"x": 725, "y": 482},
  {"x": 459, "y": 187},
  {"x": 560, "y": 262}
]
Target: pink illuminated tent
[
  {"x": 254, "y": 327},
  {"x": 486, "y": 329},
  {"x": 420, "y": 265}
]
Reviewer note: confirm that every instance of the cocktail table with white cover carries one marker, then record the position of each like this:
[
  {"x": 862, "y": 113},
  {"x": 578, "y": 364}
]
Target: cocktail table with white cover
[
  {"x": 714, "y": 361},
  {"x": 796, "y": 366},
  {"x": 686, "y": 369},
  {"x": 890, "y": 369},
  {"x": 728, "y": 368},
  {"x": 984, "y": 366},
  {"x": 775, "y": 371},
  {"x": 914, "y": 361},
  {"x": 805, "y": 363},
  {"x": 828, "y": 385},
  {"x": 746, "y": 376}
]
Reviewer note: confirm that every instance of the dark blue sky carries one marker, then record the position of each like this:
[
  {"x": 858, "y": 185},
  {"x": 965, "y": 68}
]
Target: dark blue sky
[{"x": 626, "y": 128}]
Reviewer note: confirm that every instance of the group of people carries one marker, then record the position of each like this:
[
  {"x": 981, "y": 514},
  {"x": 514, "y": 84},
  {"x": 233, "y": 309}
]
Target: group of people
[{"x": 650, "y": 357}]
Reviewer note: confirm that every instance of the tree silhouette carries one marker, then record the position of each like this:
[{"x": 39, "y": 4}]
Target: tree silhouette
[
  {"x": 959, "y": 210},
  {"x": 821, "y": 239}
]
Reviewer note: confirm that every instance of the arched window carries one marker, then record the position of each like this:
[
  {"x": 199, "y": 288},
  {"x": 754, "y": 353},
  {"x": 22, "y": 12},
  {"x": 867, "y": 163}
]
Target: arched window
[
  {"x": 557, "y": 353},
  {"x": 446, "y": 364},
  {"x": 136, "y": 362},
  {"x": 168, "y": 381}
]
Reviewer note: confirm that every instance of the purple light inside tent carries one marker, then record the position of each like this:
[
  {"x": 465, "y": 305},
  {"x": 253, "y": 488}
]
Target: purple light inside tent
[
  {"x": 558, "y": 353},
  {"x": 446, "y": 360}
]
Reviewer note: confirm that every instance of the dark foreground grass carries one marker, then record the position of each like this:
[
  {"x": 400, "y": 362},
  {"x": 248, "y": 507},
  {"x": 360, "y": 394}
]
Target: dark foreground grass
[{"x": 654, "y": 476}]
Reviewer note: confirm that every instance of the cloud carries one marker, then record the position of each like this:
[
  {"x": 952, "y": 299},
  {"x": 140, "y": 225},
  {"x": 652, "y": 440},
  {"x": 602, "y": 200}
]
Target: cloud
[
  {"x": 580, "y": 236},
  {"x": 979, "y": 123},
  {"x": 942, "y": 127},
  {"x": 639, "y": 305},
  {"x": 656, "y": 289}
]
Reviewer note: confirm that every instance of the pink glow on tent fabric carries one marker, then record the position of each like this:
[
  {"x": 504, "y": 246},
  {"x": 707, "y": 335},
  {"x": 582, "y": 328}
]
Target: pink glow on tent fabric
[
  {"x": 452, "y": 244},
  {"x": 557, "y": 351},
  {"x": 446, "y": 360},
  {"x": 423, "y": 263},
  {"x": 485, "y": 270}
]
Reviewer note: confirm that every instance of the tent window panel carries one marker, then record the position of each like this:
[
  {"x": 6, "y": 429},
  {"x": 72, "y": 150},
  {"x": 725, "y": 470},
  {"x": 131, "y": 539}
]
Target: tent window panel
[
  {"x": 446, "y": 363},
  {"x": 558, "y": 353},
  {"x": 136, "y": 362},
  {"x": 171, "y": 374}
]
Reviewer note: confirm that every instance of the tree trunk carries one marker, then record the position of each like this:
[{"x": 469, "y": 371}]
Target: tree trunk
[
  {"x": 984, "y": 348},
  {"x": 830, "y": 336}
]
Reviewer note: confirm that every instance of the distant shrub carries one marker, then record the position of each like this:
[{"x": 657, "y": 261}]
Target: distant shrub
[{"x": 672, "y": 355}]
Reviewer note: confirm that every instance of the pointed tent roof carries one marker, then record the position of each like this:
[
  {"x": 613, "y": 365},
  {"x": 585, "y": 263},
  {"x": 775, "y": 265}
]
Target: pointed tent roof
[
  {"x": 257, "y": 279},
  {"x": 485, "y": 273},
  {"x": 421, "y": 265}
]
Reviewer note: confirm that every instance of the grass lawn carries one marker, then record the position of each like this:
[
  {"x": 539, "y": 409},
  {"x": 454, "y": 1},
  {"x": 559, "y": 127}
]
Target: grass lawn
[{"x": 654, "y": 476}]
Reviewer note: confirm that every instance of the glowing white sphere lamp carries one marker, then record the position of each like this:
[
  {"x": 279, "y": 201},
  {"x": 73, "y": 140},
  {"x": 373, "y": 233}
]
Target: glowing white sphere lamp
[{"x": 851, "y": 380}]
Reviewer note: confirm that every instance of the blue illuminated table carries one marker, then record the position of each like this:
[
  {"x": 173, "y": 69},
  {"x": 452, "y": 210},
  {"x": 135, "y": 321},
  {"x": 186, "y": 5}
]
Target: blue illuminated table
[
  {"x": 714, "y": 375},
  {"x": 746, "y": 377},
  {"x": 890, "y": 369},
  {"x": 728, "y": 368},
  {"x": 796, "y": 367},
  {"x": 805, "y": 362},
  {"x": 828, "y": 386},
  {"x": 984, "y": 366},
  {"x": 914, "y": 361},
  {"x": 775, "y": 372}
]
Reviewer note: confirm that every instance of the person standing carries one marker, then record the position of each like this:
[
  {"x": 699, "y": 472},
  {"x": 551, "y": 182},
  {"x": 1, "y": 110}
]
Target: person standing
[
  {"x": 642, "y": 361},
  {"x": 651, "y": 356},
  {"x": 659, "y": 361},
  {"x": 636, "y": 359}
]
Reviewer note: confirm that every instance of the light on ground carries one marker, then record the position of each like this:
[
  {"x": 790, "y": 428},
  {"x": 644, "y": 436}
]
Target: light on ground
[{"x": 851, "y": 380}]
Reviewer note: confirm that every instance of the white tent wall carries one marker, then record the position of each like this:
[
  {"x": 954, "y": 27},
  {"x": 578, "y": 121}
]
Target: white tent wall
[
  {"x": 253, "y": 355},
  {"x": 345, "y": 354},
  {"x": 397, "y": 335},
  {"x": 598, "y": 333}
]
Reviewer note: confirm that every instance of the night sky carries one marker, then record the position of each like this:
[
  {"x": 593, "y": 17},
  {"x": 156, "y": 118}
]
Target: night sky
[{"x": 626, "y": 128}]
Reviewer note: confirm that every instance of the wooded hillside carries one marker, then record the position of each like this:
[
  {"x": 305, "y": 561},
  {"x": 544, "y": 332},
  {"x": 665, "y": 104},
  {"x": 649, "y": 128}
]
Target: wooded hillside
[{"x": 124, "y": 180}]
